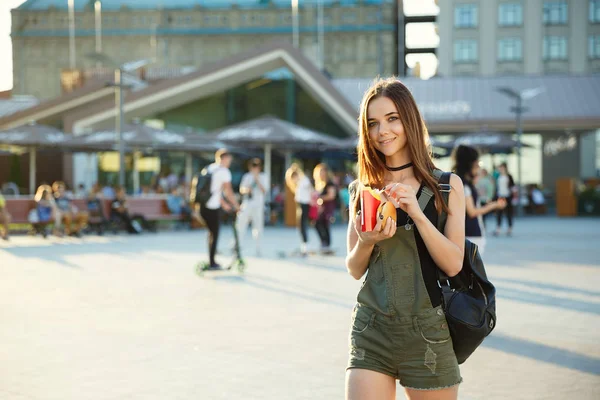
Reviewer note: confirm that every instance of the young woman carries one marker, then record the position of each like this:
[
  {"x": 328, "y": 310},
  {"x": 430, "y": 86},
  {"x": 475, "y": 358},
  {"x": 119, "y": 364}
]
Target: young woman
[
  {"x": 326, "y": 202},
  {"x": 399, "y": 331},
  {"x": 466, "y": 166},
  {"x": 302, "y": 188},
  {"x": 47, "y": 211},
  {"x": 505, "y": 188}
]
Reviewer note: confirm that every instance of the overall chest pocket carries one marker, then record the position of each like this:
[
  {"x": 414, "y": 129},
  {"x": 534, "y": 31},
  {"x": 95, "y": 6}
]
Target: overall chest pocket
[{"x": 376, "y": 264}]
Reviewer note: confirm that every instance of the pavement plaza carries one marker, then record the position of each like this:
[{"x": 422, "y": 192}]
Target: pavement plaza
[{"x": 125, "y": 317}]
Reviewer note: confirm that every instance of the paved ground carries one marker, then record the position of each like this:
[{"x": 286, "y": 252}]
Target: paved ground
[{"x": 121, "y": 317}]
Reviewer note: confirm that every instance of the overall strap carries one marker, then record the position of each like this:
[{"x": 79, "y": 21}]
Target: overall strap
[{"x": 443, "y": 179}]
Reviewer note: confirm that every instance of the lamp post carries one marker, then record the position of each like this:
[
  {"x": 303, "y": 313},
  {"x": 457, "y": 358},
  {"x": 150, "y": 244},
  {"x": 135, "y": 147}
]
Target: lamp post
[
  {"x": 320, "y": 35},
  {"x": 518, "y": 109},
  {"x": 121, "y": 73},
  {"x": 295, "y": 24},
  {"x": 98, "y": 23},
  {"x": 71, "y": 5}
]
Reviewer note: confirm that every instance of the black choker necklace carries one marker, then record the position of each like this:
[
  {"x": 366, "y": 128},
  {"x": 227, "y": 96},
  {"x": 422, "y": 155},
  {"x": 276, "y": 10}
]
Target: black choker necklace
[{"x": 400, "y": 168}]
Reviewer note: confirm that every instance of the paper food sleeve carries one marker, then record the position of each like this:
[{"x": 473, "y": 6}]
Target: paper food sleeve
[{"x": 369, "y": 202}]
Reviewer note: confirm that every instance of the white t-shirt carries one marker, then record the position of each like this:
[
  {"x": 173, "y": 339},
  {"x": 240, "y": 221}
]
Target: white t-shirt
[
  {"x": 248, "y": 182},
  {"x": 220, "y": 176},
  {"x": 304, "y": 191},
  {"x": 503, "y": 189}
]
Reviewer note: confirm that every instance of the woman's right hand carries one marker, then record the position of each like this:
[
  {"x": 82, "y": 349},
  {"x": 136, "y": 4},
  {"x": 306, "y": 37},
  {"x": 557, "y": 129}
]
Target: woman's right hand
[
  {"x": 500, "y": 204},
  {"x": 377, "y": 234}
]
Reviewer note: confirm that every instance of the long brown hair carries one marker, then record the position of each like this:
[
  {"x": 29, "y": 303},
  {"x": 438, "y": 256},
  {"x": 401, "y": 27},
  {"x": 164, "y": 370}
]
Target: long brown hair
[{"x": 371, "y": 162}]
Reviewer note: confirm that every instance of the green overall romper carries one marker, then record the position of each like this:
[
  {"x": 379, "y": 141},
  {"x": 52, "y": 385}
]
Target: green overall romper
[{"x": 395, "y": 329}]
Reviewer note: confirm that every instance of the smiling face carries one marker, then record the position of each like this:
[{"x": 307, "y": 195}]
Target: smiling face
[{"x": 386, "y": 132}]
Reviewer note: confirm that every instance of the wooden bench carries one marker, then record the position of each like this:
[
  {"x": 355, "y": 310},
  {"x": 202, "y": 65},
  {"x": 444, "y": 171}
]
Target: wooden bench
[
  {"x": 19, "y": 207},
  {"x": 153, "y": 209}
]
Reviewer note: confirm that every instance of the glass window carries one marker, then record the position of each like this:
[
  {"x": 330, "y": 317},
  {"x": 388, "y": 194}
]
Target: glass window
[
  {"x": 555, "y": 12},
  {"x": 285, "y": 18},
  {"x": 594, "y": 46},
  {"x": 349, "y": 17},
  {"x": 510, "y": 14},
  {"x": 184, "y": 20},
  {"x": 465, "y": 50},
  {"x": 555, "y": 48},
  {"x": 510, "y": 49},
  {"x": 373, "y": 17},
  {"x": 465, "y": 16},
  {"x": 594, "y": 10}
]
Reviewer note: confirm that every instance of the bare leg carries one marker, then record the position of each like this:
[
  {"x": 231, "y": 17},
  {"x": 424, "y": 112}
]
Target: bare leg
[
  {"x": 67, "y": 220},
  {"x": 363, "y": 384},
  {"x": 450, "y": 393},
  {"x": 5, "y": 219},
  {"x": 82, "y": 220}
]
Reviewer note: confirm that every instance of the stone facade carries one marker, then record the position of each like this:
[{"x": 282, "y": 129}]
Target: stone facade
[{"x": 359, "y": 41}]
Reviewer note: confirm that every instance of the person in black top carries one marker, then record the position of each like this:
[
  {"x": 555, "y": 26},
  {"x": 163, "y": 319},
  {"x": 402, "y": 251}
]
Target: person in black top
[
  {"x": 326, "y": 202},
  {"x": 466, "y": 166},
  {"x": 118, "y": 210}
]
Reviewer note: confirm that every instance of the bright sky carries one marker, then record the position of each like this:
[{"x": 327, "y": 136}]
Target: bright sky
[
  {"x": 5, "y": 43},
  {"x": 417, "y": 34}
]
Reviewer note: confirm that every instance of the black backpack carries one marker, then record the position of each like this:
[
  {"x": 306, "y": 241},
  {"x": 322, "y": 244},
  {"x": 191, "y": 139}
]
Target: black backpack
[
  {"x": 200, "y": 190},
  {"x": 469, "y": 298}
]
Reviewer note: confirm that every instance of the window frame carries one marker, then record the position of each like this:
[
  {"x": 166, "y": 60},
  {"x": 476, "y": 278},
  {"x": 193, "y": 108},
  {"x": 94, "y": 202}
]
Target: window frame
[
  {"x": 471, "y": 59},
  {"x": 516, "y": 7},
  {"x": 548, "y": 42},
  {"x": 460, "y": 12},
  {"x": 551, "y": 5},
  {"x": 594, "y": 11},
  {"x": 594, "y": 47},
  {"x": 518, "y": 49}
]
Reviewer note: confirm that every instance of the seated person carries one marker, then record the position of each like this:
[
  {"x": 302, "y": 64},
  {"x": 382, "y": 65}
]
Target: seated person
[
  {"x": 45, "y": 212},
  {"x": 119, "y": 211},
  {"x": 4, "y": 218},
  {"x": 177, "y": 204},
  {"x": 537, "y": 197},
  {"x": 95, "y": 208},
  {"x": 69, "y": 213}
]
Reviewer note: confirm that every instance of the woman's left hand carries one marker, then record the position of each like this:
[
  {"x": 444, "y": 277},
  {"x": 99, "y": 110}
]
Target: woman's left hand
[{"x": 404, "y": 197}]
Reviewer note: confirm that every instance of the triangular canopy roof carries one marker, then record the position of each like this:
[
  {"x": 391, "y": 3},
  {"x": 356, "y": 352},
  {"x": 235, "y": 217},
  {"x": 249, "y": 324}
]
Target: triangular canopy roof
[
  {"x": 271, "y": 130},
  {"x": 91, "y": 108},
  {"x": 140, "y": 136}
]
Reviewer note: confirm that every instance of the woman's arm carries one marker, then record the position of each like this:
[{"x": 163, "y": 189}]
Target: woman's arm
[
  {"x": 474, "y": 212},
  {"x": 447, "y": 250},
  {"x": 359, "y": 253},
  {"x": 330, "y": 195}
]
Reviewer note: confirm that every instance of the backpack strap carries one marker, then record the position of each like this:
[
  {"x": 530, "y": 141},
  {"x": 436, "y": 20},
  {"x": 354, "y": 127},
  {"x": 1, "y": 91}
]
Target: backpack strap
[
  {"x": 443, "y": 179},
  {"x": 444, "y": 187}
]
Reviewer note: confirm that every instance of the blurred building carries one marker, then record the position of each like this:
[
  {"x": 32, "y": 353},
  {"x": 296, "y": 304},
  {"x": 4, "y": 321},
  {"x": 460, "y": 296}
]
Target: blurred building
[
  {"x": 213, "y": 72},
  {"x": 357, "y": 37},
  {"x": 526, "y": 44},
  {"x": 512, "y": 37}
]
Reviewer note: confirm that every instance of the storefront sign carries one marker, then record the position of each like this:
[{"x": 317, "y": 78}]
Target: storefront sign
[
  {"x": 553, "y": 147},
  {"x": 446, "y": 108}
]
